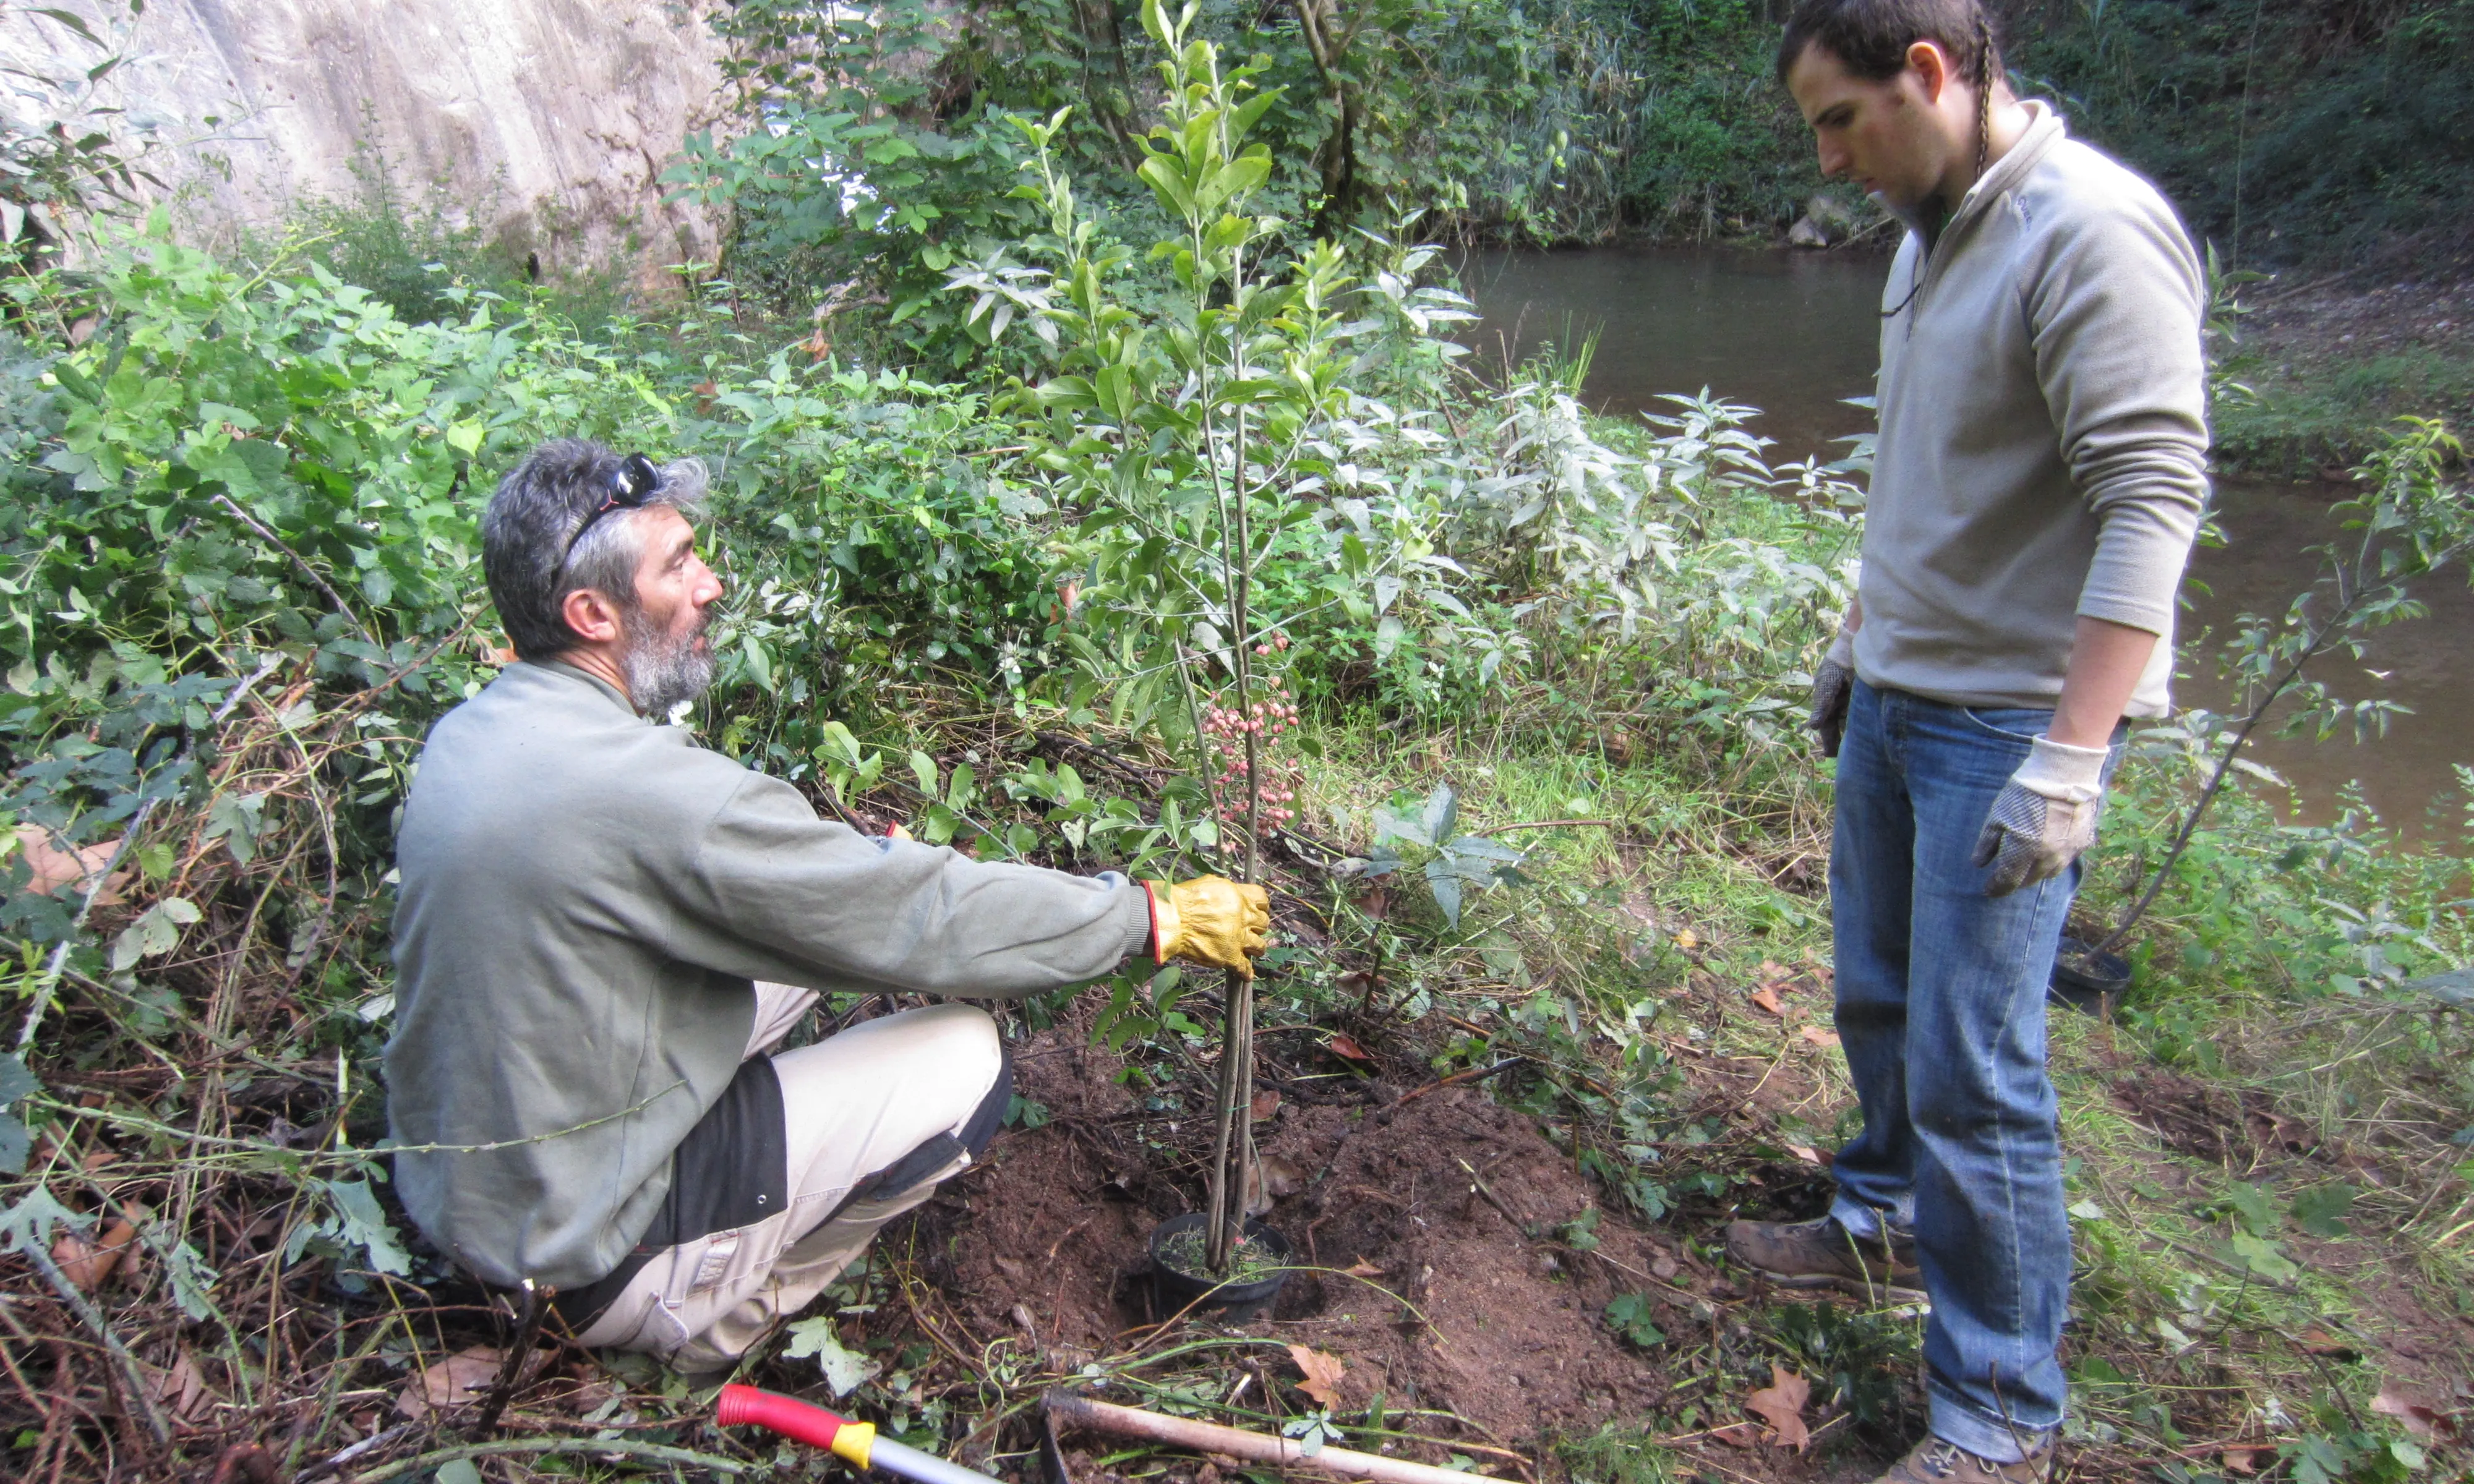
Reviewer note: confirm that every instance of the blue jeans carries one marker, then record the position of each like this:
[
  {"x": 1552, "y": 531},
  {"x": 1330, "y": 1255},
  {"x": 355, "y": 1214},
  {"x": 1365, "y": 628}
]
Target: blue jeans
[{"x": 1941, "y": 1011}]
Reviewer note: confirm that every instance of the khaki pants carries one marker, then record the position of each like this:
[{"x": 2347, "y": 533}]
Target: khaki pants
[{"x": 854, "y": 1104}]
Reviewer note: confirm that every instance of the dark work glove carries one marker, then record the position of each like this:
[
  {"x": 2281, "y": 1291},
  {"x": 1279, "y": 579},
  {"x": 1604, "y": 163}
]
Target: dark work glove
[{"x": 1831, "y": 685}]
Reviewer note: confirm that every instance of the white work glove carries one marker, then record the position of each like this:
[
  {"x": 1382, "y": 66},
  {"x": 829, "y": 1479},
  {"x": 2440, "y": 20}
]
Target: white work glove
[
  {"x": 2044, "y": 817},
  {"x": 1833, "y": 685}
]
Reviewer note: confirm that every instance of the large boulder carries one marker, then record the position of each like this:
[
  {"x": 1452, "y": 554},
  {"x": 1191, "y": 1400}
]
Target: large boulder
[
  {"x": 545, "y": 123},
  {"x": 1826, "y": 222}
]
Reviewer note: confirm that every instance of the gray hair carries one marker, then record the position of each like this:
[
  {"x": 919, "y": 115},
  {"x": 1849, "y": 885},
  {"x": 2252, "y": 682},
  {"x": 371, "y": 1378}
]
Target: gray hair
[{"x": 538, "y": 509}]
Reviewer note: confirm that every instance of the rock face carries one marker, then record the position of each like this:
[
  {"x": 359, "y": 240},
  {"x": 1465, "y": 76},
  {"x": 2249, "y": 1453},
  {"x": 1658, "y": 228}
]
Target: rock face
[
  {"x": 545, "y": 123},
  {"x": 1826, "y": 222}
]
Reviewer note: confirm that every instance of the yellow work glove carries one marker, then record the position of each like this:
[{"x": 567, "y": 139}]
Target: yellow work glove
[{"x": 1210, "y": 919}]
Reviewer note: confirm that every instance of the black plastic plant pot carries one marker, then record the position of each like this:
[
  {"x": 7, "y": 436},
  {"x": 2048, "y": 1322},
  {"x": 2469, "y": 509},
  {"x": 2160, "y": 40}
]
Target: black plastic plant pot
[
  {"x": 1236, "y": 1303},
  {"x": 2089, "y": 983}
]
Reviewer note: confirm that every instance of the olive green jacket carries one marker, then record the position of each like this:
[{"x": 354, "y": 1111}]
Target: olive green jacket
[{"x": 586, "y": 897}]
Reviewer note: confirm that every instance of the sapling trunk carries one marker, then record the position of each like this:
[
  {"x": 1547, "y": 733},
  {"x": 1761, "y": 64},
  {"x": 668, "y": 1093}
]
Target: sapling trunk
[
  {"x": 2355, "y": 589},
  {"x": 1233, "y": 1142}
]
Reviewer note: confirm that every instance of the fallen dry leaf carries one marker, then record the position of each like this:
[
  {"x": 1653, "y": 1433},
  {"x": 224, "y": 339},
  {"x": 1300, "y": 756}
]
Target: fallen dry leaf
[
  {"x": 2421, "y": 1419},
  {"x": 461, "y": 1377},
  {"x": 1805, "y": 1151},
  {"x": 1686, "y": 940},
  {"x": 1270, "y": 1180},
  {"x": 1323, "y": 1372},
  {"x": 1766, "y": 996},
  {"x": 1819, "y": 1036},
  {"x": 182, "y": 1386},
  {"x": 88, "y": 1263},
  {"x": 1342, "y": 1045},
  {"x": 2241, "y": 1460},
  {"x": 2320, "y": 1342},
  {"x": 1780, "y": 1405},
  {"x": 1736, "y": 1434},
  {"x": 54, "y": 868},
  {"x": 1266, "y": 1102},
  {"x": 1772, "y": 972},
  {"x": 1362, "y": 1268}
]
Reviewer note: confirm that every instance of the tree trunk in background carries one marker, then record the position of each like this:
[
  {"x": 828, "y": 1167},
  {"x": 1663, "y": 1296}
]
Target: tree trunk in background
[
  {"x": 1107, "y": 81},
  {"x": 1319, "y": 20}
]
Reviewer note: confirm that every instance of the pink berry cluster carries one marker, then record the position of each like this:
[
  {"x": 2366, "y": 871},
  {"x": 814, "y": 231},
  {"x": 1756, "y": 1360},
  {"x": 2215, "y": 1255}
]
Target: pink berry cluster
[{"x": 1270, "y": 714}]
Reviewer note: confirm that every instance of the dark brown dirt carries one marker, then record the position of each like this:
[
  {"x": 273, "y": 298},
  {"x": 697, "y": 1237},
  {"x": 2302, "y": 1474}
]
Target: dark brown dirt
[
  {"x": 2236, "y": 1130},
  {"x": 1447, "y": 1209}
]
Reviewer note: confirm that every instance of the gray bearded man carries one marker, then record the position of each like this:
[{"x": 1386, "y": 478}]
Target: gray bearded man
[{"x": 606, "y": 931}]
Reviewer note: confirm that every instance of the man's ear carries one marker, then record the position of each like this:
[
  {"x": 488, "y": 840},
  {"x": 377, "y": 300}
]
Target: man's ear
[
  {"x": 591, "y": 616},
  {"x": 1931, "y": 66}
]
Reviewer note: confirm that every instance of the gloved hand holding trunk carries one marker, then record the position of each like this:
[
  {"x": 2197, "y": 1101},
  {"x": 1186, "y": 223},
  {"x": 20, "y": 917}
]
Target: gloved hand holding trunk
[
  {"x": 1210, "y": 919},
  {"x": 2044, "y": 817}
]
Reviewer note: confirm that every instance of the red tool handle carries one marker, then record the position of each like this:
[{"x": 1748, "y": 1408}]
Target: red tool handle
[{"x": 787, "y": 1416}]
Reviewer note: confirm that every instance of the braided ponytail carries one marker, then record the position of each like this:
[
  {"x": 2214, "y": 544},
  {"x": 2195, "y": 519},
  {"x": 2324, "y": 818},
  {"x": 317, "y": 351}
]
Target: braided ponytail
[{"x": 1985, "y": 72}]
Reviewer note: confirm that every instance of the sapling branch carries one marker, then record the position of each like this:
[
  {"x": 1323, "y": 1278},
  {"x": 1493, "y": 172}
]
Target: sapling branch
[{"x": 2366, "y": 588}]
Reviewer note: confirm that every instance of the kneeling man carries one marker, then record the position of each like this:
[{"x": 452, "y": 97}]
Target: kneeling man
[{"x": 603, "y": 931}]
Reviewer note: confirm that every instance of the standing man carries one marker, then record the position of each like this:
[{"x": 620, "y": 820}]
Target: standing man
[
  {"x": 604, "y": 930},
  {"x": 2038, "y": 477}
]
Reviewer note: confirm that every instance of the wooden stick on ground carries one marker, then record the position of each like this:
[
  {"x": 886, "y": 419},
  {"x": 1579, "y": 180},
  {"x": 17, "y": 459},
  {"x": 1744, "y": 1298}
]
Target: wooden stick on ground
[{"x": 1126, "y": 1422}]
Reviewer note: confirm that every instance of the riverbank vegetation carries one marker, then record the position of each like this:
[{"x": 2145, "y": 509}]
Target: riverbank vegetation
[{"x": 1547, "y": 848}]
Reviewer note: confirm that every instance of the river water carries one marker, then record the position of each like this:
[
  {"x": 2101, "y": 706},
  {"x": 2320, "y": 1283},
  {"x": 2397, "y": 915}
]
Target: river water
[{"x": 1796, "y": 333}]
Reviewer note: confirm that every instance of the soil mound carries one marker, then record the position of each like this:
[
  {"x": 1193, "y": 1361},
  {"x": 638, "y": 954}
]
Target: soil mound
[{"x": 1434, "y": 1229}]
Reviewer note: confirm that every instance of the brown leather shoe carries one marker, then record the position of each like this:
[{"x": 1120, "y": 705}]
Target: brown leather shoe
[
  {"x": 1936, "y": 1462},
  {"x": 1821, "y": 1254}
]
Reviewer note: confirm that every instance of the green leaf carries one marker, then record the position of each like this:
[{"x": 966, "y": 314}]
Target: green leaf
[
  {"x": 760, "y": 662},
  {"x": 1629, "y": 1314},
  {"x": 1444, "y": 883},
  {"x": 363, "y": 1224},
  {"x": 70, "y": 19},
  {"x": 2263, "y": 1258},
  {"x": 192, "y": 1280},
  {"x": 1443, "y": 811},
  {"x": 924, "y": 769},
  {"x": 844, "y": 1368},
  {"x": 155, "y": 932},
  {"x": 15, "y": 1082},
  {"x": 839, "y": 745},
  {"x": 29, "y": 1222},
  {"x": 2321, "y": 1210},
  {"x": 2255, "y": 1208},
  {"x": 1071, "y": 394},
  {"x": 1167, "y": 183},
  {"x": 1388, "y": 636}
]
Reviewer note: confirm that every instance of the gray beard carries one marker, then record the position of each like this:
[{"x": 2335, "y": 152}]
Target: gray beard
[{"x": 663, "y": 672}]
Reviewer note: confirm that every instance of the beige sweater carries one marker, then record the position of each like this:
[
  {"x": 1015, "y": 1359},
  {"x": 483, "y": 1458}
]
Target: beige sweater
[{"x": 2044, "y": 445}]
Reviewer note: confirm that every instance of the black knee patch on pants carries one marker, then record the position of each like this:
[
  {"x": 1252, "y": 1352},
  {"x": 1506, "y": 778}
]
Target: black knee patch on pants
[
  {"x": 976, "y": 1131},
  {"x": 732, "y": 1170}
]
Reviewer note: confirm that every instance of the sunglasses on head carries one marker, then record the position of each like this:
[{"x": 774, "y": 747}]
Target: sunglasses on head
[{"x": 630, "y": 487}]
